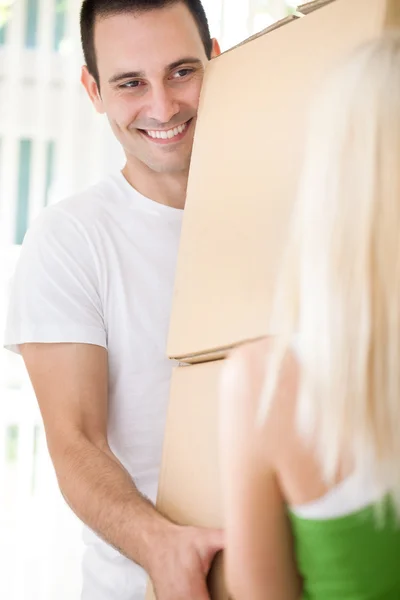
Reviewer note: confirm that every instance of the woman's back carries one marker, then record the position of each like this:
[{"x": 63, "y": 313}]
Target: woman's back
[{"x": 346, "y": 535}]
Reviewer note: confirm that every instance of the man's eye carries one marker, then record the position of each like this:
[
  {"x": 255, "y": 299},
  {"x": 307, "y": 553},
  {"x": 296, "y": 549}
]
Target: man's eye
[
  {"x": 183, "y": 72},
  {"x": 130, "y": 84}
]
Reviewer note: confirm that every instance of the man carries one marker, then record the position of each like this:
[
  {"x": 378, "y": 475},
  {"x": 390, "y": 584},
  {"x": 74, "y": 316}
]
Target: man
[{"x": 91, "y": 301}]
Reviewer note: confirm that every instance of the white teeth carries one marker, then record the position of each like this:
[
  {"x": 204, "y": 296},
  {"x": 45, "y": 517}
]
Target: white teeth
[{"x": 167, "y": 135}]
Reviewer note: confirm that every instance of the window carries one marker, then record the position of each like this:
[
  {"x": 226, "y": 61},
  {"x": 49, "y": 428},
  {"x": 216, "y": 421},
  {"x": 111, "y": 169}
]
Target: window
[
  {"x": 1, "y": 170},
  {"x": 5, "y": 14},
  {"x": 12, "y": 437},
  {"x": 266, "y": 12},
  {"x": 2, "y": 33},
  {"x": 59, "y": 23},
  {"x": 25, "y": 153},
  {"x": 31, "y": 23},
  {"x": 50, "y": 158},
  {"x": 37, "y": 432}
]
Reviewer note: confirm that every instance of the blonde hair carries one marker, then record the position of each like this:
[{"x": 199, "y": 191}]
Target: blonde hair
[{"x": 340, "y": 284}]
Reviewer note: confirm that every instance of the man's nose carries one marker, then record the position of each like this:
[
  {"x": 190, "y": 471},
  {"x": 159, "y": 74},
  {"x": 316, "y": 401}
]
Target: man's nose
[{"x": 163, "y": 105}]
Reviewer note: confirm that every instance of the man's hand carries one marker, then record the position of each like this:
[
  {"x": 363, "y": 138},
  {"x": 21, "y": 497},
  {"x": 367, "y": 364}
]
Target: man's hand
[{"x": 182, "y": 561}]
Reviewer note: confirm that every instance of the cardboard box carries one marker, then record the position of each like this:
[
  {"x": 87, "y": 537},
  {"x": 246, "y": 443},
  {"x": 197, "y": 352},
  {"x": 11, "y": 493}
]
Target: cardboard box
[
  {"x": 246, "y": 160},
  {"x": 189, "y": 489}
]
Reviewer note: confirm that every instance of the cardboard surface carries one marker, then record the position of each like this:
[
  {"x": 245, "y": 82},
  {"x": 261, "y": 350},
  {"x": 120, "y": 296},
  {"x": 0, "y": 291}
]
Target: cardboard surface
[
  {"x": 189, "y": 489},
  {"x": 246, "y": 160}
]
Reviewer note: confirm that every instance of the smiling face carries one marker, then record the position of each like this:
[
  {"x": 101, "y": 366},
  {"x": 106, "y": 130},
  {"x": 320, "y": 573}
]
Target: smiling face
[{"x": 151, "y": 67}]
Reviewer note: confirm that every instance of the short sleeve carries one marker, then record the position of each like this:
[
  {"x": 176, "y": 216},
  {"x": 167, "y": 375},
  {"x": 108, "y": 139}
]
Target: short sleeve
[{"x": 55, "y": 295}]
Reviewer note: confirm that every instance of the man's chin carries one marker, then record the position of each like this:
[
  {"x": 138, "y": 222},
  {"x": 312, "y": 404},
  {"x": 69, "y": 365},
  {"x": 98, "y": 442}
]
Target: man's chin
[
  {"x": 170, "y": 169},
  {"x": 170, "y": 164},
  {"x": 174, "y": 162}
]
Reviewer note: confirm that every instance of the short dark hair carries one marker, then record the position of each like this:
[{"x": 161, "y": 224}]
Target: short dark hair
[{"x": 94, "y": 9}]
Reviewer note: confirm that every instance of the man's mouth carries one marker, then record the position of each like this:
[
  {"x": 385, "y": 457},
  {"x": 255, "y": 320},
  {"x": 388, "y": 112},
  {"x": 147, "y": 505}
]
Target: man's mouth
[{"x": 167, "y": 136}]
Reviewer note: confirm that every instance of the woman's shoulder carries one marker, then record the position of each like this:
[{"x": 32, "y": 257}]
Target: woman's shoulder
[
  {"x": 252, "y": 357},
  {"x": 246, "y": 372},
  {"x": 252, "y": 361},
  {"x": 245, "y": 367}
]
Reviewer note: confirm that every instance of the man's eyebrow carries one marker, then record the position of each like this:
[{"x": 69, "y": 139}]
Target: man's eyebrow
[
  {"x": 127, "y": 75},
  {"x": 141, "y": 74},
  {"x": 189, "y": 60}
]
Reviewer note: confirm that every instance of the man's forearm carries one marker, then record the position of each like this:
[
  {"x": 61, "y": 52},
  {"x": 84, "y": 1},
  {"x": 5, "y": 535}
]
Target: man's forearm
[{"x": 110, "y": 504}]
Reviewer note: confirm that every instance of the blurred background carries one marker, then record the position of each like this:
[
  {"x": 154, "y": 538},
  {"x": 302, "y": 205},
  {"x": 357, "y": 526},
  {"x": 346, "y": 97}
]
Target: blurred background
[{"x": 52, "y": 144}]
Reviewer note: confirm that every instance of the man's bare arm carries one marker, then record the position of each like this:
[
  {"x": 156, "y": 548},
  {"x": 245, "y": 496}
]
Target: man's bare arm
[{"x": 71, "y": 384}]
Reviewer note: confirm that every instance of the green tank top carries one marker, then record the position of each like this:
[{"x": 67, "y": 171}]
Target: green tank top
[{"x": 355, "y": 557}]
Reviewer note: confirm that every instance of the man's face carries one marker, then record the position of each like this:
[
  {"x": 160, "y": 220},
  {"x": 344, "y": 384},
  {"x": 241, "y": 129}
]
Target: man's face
[{"x": 151, "y": 67}]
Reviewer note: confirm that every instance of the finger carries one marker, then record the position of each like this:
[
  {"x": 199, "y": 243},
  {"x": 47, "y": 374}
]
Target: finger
[
  {"x": 210, "y": 545},
  {"x": 215, "y": 540}
]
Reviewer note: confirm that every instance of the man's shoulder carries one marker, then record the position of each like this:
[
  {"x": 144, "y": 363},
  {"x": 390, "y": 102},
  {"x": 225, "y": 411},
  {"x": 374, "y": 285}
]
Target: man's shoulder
[
  {"x": 89, "y": 205},
  {"x": 75, "y": 218}
]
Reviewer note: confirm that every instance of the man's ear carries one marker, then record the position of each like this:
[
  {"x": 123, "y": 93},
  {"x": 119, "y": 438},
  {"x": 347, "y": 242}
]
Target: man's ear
[
  {"x": 216, "y": 50},
  {"x": 90, "y": 85}
]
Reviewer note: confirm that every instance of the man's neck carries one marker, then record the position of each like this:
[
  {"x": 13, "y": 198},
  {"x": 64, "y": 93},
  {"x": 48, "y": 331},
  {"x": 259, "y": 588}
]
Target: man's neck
[{"x": 164, "y": 188}]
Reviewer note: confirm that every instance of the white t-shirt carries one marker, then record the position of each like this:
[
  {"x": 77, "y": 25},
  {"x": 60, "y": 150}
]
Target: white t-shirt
[{"x": 99, "y": 269}]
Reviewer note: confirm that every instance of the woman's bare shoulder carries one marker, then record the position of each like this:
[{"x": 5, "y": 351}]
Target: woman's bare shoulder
[
  {"x": 246, "y": 369},
  {"x": 253, "y": 359},
  {"x": 253, "y": 354},
  {"x": 249, "y": 366}
]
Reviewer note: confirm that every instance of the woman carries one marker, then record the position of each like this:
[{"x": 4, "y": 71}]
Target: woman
[{"x": 310, "y": 446}]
